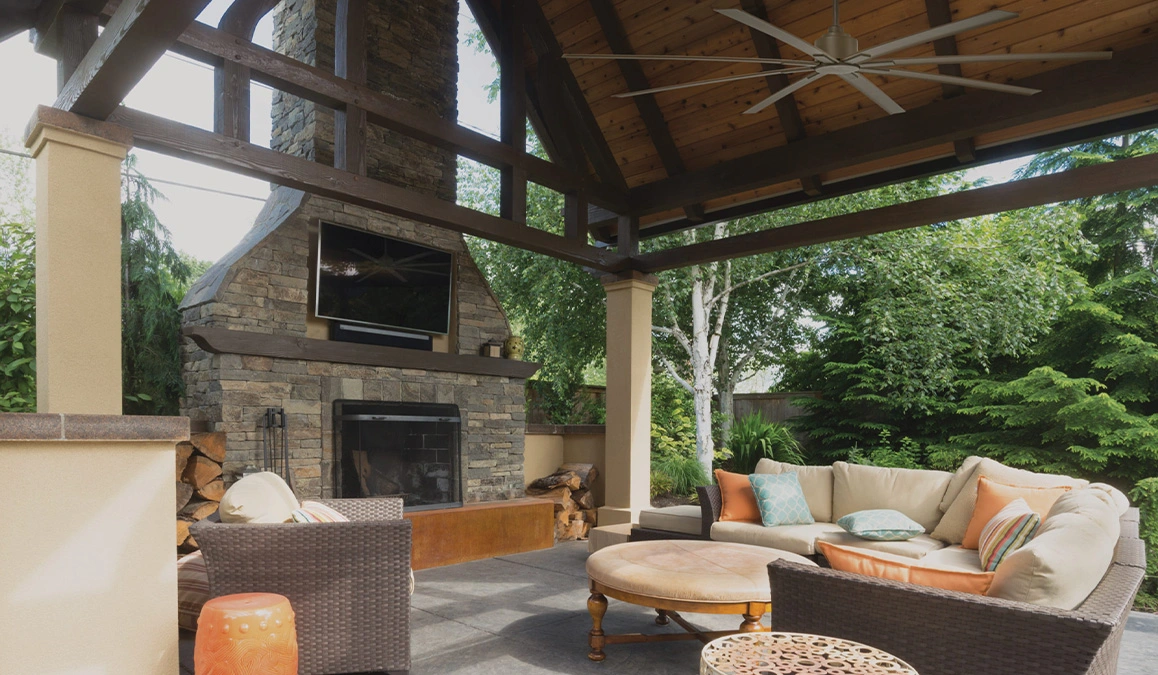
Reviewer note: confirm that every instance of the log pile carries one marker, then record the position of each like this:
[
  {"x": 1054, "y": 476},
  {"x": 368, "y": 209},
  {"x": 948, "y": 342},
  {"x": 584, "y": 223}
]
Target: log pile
[
  {"x": 199, "y": 483},
  {"x": 570, "y": 489}
]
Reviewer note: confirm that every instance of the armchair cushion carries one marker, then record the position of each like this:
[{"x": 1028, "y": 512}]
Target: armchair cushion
[
  {"x": 317, "y": 512},
  {"x": 258, "y": 498},
  {"x": 192, "y": 589}
]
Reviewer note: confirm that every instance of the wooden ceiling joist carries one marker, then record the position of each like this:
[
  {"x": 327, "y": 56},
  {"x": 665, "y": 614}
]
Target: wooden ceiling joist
[
  {"x": 179, "y": 140},
  {"x": 1071, "y": 88},
  {"x": 1090, "y": 181},
  {"x": 210, "y": 45},
  {"x": 136, "y": 36},
  {"x": 939, "y": 14},
  {"x": 649, "y": 110}
]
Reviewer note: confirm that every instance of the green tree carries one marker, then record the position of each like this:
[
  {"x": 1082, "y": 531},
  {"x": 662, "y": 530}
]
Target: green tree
[{"x": 17, "y": 283}]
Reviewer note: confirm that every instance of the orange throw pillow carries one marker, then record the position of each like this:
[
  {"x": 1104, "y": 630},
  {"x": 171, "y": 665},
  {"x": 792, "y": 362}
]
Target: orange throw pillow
[
  {"x": 847, "y": 559},
  {"x": 992, "y": 497},
  {"x": 737, "y": 501}
]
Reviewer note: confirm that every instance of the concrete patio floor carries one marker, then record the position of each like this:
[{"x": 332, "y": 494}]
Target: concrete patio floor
[{"x": 527, "y": 614}]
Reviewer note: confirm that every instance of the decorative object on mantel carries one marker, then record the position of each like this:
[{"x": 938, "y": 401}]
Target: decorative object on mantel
[
  {"x": 570, "y": 489},
  {"x": 246, "y": 634},
  {"x": 492, "y": 349},
  {"x": 199, "y": 483},
  {"x": 514, "y": 347}
]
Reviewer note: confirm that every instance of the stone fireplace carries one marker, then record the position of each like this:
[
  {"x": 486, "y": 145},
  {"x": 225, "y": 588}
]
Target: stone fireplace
[{"x": 257, "y": 343}]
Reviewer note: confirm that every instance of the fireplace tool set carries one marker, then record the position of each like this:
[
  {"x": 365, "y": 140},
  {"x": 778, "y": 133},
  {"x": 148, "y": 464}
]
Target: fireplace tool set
[{"x": 274, "y": 428}]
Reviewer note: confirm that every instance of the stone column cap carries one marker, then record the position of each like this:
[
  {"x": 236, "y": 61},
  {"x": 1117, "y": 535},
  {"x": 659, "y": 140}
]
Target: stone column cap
[{"x": 629, "y": 278}]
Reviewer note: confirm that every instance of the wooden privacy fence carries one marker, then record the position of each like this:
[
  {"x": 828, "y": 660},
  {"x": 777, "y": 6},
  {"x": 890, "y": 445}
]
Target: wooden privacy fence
[{"x": 773, "y": 406}]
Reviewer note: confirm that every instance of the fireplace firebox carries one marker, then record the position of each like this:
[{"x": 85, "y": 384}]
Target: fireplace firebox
[{"x": 407, "y": 450}]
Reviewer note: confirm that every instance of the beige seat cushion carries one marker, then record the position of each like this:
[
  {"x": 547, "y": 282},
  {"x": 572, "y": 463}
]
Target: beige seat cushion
[
  {"x": 815, "y": 481},
  {"x": 685, "y": 518},
  {"x": 954, "y": 558},
  {"x": 798, "y": 539},
  {"x": 1067, "y": 558},
  {"x": 914, "y": 492},
  {"x": 952, "y": 527},
  {"x": 688, "y": 570},
  {"x": 258, "y": 498},
  {"x": 916, "y": 548}
]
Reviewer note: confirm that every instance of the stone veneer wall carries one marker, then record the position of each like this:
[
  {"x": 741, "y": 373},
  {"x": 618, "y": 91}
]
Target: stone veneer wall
[{"x": 262, "y": 287}]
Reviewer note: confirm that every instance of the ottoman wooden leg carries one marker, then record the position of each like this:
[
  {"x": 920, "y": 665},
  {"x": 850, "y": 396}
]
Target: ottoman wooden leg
[
  {"x": 597, "y": 606},
  {"x": 752, "y": 618},
  {"x": 661, "y": 618}
]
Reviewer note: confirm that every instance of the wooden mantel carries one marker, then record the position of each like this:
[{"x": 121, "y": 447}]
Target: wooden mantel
[{"x": 225, "y": 341}]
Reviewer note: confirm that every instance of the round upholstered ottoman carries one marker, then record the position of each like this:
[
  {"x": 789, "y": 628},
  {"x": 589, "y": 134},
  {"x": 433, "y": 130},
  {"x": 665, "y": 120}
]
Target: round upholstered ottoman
[{"x": 680, "y": 575}]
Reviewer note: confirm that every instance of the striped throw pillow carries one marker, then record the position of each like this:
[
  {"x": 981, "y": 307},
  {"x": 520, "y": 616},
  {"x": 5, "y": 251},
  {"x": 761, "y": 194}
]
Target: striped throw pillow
[
  {"x": 192, "y": 589},
  {"x": 1009, "y": 530},
  {"x": 317, "y": 512}
]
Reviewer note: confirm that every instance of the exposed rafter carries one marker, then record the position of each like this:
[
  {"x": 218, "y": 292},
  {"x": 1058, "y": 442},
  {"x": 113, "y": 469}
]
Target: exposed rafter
[
  {"x": 939, "y": 14},
  {"x": 513, "y": 109},
  {"x": 649, "y": 111},
  {"x": 1070, "y": 89},
  {"x": 1127, "y": 174},
  {"x": 786, "y": 108},
  {"x": 179, "y": 140},
  {"x": 136, "y": 36}
]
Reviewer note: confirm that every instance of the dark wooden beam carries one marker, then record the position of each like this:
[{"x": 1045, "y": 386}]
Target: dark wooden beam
[
  {"x": 582, "y": 123},
  {"x": 554, "y": 128},
  {"x": 939, "y": 14},
  {"x": 1118, "y": 126},
  {"x": 786, "y": 108},
  {"x": 48, "y": 36},
  {"x": 136, "y": 36},
  {"x": 575, "y": 217},
  {"x": 649, "y": 110},
  {"x": 76, "y": 34},
  {"x": 627, "y": 236},
  {"x": 230, "y": 79},
  {"x": 513, "y": 110},
  {"x": 350, "y": 64},
  {"x": 178, "y": 140},
  {"x": 1126, "y": 174},
  {"x": 1082, "y": 86},
  {"x": 212, "y": 46}
]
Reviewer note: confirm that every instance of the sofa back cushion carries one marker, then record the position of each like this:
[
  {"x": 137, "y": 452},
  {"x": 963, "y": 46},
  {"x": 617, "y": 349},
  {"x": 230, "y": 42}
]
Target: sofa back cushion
[
  {"x": 959, "y": 512},
  {"x": 1068, "y": 556},
  {"x": 258, "y": 498},
  {"x": 914, "y": 492},
  {"x": 816, "y": 481}
]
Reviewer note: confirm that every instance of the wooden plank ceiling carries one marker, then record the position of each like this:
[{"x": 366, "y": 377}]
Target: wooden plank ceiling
[{"x": 704, "y": 126}]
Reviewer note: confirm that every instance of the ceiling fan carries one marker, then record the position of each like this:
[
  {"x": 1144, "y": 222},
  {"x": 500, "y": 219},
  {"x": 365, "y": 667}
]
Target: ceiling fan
[{"x": 838, "y": 53}]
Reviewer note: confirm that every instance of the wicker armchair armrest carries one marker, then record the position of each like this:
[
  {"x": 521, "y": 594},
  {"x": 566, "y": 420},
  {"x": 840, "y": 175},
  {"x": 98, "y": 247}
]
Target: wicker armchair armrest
[
  {"x": 371, "y": 508},
  {"x": 939, "y": 631},
  {"x": 709, "y": 497},
  {"x": 347, "y": 582}
]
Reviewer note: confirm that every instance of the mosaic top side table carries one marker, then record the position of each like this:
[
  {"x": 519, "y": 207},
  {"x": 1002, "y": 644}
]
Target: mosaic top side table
[{"x": 796, "y": 653}]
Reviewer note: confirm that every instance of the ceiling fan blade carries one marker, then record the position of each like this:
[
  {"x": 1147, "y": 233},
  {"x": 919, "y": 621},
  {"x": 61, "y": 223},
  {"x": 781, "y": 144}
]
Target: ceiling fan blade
[
  {"x": 798, "y": 84},
  {"x": 718, "y": 80},
  {"x": 993, "y": 58},
  {"x": 679, "y": 57},
  {"x": 950, "y": 79},
  {"x": 944, "y": 30},
  {"x": 778, "y": 33},
  {"x": 873, "y": 92}
]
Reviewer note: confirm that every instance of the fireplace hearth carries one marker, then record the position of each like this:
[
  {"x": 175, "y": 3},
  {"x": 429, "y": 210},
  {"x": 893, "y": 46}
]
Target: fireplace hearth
[{"x": 406, "y": 450}]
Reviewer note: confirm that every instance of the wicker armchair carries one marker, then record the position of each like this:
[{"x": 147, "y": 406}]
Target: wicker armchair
[
  {"x": 348, "y": 582},
  {"x": 951, "y": 633}
]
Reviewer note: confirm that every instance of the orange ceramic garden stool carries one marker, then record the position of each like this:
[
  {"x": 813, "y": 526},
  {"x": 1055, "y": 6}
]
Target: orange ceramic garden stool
[{"x": 246, "y": 634}]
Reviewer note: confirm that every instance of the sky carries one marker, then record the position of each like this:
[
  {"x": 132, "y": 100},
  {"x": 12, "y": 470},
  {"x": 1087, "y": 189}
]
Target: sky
[{"x": 208, "y": 224}]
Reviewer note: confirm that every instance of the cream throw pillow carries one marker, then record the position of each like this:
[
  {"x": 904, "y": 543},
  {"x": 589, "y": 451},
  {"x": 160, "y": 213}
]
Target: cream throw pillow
[
  {"x": 258, "y": 498},
  {"x": 1068, "y": 556},
  {"x": 914, "y": 492},
  {"x": 952, "y": 527},
  {"x": 816, "y": 481}
]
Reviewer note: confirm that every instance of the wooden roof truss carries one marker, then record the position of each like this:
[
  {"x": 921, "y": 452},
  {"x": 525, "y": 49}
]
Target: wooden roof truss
[{"x": 1078, "y": 102}]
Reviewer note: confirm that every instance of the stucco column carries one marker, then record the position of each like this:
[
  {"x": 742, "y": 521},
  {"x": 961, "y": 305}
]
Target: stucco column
[
  {"x": 627, "y": 475},
  {"x": 78, "y": 263}
]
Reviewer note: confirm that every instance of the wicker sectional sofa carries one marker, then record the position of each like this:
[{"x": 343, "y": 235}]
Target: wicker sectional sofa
[{"x": 939, "y": 631}]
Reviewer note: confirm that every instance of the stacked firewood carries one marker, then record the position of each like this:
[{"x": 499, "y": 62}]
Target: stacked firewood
[
  {"x": 570, "y": 489},
  {"x": 199, "y": 483}
]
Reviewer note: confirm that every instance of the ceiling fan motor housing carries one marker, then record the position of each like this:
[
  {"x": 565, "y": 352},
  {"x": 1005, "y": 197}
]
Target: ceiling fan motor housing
[{"x": 838, "y": 43}]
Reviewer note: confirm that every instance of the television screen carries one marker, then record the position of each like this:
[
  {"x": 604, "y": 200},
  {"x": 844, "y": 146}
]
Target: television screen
[{"x": 371, "y": 279}]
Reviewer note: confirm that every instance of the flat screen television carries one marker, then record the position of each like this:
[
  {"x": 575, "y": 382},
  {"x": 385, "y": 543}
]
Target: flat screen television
[{"x": 373, "y": 280}]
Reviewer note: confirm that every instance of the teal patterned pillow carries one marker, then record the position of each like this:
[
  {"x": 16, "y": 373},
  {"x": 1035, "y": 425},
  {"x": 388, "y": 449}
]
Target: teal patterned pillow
[
  {"x": 881, "y": 525},
  {"x": 781, "y": 499}
]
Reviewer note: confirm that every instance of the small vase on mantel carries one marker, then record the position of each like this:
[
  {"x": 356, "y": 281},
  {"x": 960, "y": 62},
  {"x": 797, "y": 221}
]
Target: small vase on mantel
[{"x": 513, "y": 348}]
